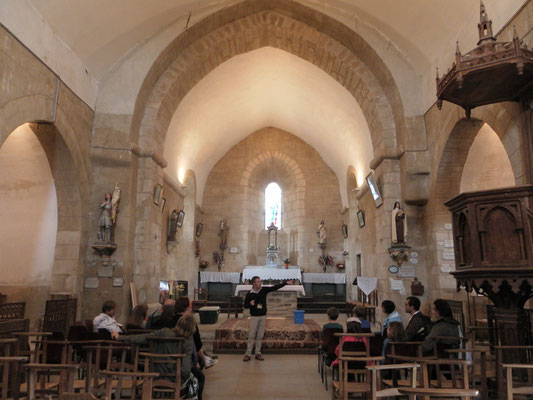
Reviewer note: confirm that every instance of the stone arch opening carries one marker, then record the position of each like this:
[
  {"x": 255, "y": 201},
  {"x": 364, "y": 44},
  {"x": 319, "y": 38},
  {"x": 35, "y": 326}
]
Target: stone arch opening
[
  {"x": 42, "y": 176},
  {"x": 341, "y": 53},
  {"x": 474, "y": 157}
]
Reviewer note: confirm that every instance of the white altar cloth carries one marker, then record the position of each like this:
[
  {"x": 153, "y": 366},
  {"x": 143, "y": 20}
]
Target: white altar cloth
[
  {"x": 289, "y": 288},
  {"x": 328, "y": 277},
  {"x": 214, "y": 276},
  {"x": 272, "y": 274}
]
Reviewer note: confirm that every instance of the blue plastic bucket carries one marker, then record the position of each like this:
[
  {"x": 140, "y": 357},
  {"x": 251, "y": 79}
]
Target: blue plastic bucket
[{"x": 299, "y": 316}]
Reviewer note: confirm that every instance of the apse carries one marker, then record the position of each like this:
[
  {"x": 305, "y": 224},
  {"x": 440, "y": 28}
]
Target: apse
[{"x": 267, "y": 88}]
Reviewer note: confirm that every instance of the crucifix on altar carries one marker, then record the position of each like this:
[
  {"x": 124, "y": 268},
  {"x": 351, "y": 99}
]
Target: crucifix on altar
[{"x": 272, "y": 247}]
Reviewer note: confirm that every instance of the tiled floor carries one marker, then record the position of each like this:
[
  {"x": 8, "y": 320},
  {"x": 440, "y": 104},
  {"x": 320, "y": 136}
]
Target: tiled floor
[{"x": 280, "y": 376}]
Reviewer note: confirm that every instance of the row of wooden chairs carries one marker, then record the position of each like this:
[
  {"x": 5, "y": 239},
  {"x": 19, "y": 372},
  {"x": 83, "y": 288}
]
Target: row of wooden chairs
[
  {"x": 94, "y": 366},
  {"x": 360, "y": 372}
]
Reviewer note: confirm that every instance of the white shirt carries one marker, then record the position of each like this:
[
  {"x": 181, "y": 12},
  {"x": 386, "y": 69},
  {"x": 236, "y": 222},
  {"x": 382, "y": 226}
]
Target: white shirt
[{"x": 104, "y": 321}]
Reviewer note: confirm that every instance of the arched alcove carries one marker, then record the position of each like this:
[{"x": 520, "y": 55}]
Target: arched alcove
[{"x": 28, "y": 211}]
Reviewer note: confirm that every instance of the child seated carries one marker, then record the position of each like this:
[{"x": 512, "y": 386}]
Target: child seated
[{"x": 333, "y": 314}]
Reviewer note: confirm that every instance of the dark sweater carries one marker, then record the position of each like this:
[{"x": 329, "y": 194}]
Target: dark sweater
[
  {"x": 260, "y": 305},
  {"x": 418, "y": 327}
]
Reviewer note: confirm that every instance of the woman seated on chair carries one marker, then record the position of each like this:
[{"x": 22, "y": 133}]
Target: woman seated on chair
[
  {"x": 445, "y": 332},
  {"x": 185, "y": 328},
  {"x": 138, "y": 317}
]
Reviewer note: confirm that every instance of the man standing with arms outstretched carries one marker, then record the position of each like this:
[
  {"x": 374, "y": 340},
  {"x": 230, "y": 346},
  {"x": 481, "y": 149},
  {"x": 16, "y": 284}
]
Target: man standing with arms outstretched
[{"x": 256, "y": 301}]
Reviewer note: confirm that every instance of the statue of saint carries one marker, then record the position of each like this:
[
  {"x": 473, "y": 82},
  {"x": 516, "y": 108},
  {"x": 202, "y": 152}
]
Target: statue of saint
[
  {"x": 108, "y": 215},
  {"x": 322, "y": 233},
  {"x": 173, "y": 226},
  {"x": 223, "y": 233},
  {"x": 105, "y": 222},
  {"x": 399, "y": 224}
]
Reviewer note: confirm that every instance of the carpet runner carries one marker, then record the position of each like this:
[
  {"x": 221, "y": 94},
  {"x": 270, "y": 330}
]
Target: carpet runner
[{"x": 281, "y": 336}]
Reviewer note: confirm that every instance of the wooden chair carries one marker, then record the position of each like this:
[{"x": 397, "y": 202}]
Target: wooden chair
[
  {"x": 113, "y": 376},
  {"x": 480, "y": 373},
  {"x": 327, "y": 348},
  {"x": 428, "y": 393},
  {"x": 63, "y": 385},
  {"x": 199, "y": 299},
  {"x": 10, "y": 376},
  {"x": 111, "y": 356},
  {"x": 521, "y": 390},
  {"x": 450, "y": 374},
  {"x": 10, "y": 311},
  {"x": 511, "y": 355},
  {"x": 363, "y": 377},
  {"x": 168, "y": 382},
  {"x": 376, "y": 384},
  {"x": 353, "y": 358}
]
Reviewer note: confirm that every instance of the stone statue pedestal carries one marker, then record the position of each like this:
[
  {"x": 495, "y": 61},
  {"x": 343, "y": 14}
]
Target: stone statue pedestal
[{"x": 272, "y": 258}]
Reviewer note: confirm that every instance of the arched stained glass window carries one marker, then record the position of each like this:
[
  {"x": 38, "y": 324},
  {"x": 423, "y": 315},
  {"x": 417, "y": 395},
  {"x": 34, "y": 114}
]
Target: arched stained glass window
[{"x": 273, "y": 205}]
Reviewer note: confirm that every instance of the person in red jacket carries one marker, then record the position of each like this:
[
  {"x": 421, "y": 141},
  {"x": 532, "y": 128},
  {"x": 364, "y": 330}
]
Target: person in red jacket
[{"x": 255, "y": 300}]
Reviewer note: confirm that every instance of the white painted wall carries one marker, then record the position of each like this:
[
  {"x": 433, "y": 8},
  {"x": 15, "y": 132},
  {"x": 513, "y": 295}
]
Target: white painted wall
[{"x": 28, "y": 211}]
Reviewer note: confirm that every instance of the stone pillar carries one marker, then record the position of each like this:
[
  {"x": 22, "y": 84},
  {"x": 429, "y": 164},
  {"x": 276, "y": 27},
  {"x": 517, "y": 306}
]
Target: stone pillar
[{"x": 147, "y": 241}]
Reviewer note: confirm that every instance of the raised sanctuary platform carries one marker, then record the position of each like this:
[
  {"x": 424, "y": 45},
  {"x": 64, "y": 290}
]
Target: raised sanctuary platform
[{"x": 282, "y": 335}]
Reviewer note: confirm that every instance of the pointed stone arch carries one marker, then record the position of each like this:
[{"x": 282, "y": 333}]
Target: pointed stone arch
[{"x": 289, "y": 26}]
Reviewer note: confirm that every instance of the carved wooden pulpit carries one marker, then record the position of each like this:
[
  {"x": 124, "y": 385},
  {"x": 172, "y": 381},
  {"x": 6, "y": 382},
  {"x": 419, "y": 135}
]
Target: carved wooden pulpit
[{"x": 493, "y": 240}]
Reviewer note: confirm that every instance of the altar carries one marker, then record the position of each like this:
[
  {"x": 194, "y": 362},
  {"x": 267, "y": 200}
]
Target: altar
[
  {"x": 273, "y": 274},
  {"x": 280, "y": 303}
]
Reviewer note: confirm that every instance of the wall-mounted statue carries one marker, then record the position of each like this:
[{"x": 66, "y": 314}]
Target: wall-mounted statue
[
  {"x": 108, "y": 216},
  {"x": 223, "y": 233},
  {"x": 173, "y": 226},
  {"x": 399, "y": 224},
  {"x": 322, "y": 233}
]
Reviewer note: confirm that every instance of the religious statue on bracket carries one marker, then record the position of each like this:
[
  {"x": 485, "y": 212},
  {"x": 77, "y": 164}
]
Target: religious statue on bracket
[
  {"x": 272, "y": 246},
  {"x": 322, "y": 234},
  {"x": 105, "y": 245},
  {"x": 399, "y": 251},
  {"x": 172, "y": 240},
  {"x": 223, "y": 234}
]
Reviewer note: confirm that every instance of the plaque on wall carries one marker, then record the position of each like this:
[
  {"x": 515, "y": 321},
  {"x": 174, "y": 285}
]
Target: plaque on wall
[
  {"x": 91, "y": 283},
  {"x": 118, "y": 282}
]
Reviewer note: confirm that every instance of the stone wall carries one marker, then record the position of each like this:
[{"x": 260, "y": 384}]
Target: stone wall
[
  {"x": 29, "y": 93},
  {"x": 235, "y": 191}
]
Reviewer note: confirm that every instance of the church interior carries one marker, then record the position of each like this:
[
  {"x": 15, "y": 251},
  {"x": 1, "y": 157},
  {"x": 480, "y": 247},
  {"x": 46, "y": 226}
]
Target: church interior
[{"x": 359, "y": 152}]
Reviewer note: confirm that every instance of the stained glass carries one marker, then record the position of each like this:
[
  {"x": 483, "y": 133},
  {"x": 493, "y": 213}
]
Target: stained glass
[{"x": 273, "y": 205}]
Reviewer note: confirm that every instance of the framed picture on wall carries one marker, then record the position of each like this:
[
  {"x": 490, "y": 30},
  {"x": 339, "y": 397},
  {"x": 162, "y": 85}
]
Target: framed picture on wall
[
  {"x": 163, "y": 204},
  {"x": 361, "y": 218},
  {"x": 158, "y": 193},
  {"x": 374, "y": 189},
  {"x": 181, "y": 215},
  {"x": 345, "y": 231},
  {"x": 199, "y": 228}
]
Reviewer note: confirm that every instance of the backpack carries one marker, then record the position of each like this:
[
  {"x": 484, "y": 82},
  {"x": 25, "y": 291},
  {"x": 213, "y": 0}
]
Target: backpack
[{"x": 189, "y": 388}]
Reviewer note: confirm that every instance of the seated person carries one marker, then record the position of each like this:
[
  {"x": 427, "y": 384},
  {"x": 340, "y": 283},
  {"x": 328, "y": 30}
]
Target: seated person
[
  {"x": 389, "y": 308},
  {"x": 137, "y": 318},
  {"x": 164, "y": 317},
  {"x": 419, "y": 325},
  {"x": 360, "y": 313},
  {"x": 185, "y": 327},
  {"x": 333, "y": 314},
  {"x": 444, "y": 326},
  {"x": 352, "y": 326},
  {"x": 106, "y": 319},
  {"x": 183, "y": 305}
]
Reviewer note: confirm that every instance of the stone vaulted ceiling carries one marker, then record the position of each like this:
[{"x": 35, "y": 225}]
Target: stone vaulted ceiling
[{"x": 114, "y": 43}]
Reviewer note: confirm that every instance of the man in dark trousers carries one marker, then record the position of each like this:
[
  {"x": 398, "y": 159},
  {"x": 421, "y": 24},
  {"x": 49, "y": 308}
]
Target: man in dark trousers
[
  {"x": 256, "y": 301},
  {"x": 419, "y": 325}
]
